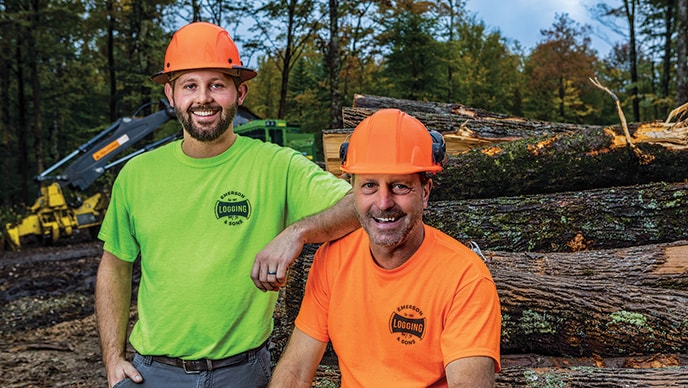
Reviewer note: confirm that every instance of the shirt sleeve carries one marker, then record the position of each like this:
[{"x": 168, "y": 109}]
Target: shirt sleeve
[
  {"x": 311, "y": 189},
  {"x": 116, "y": 230},
  {"x": 313, "y": 314}
]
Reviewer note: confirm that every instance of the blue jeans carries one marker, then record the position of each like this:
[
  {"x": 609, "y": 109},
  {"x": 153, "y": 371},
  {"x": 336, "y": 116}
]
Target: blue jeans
[{"x": 254, "y": 373}]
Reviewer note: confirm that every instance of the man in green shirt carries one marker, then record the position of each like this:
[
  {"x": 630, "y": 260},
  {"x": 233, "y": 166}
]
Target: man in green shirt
[{"x": 216, "y": 219}]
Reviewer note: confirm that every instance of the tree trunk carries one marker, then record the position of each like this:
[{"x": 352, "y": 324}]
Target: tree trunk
[
  {"x": 682, "y": 53},
  {"x": 379, "y": 102},
  {"x": 573, "y": 317},
  {"x": 654, "y": 265},
  {"x": 32, "y": 56},
  {"x": 667, "y": 57},
  {"x": 630, "y": 13},
  {"x": 594, "y": 219},
  {"x": 532, "y": 156},
  {"x": 334, "y": 66},
  {"x": 486, "y": 130},
  {"x": 581, "y": 160}
]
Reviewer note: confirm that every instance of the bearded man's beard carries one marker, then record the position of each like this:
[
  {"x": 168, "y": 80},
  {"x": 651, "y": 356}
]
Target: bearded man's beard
[{"x": 205, "y": 133}]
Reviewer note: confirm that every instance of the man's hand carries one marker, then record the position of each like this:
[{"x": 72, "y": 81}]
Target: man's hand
[
  {"x": 271, "y": 266},
  {"x": 269, "y": 271},
  {"x": 120, "y": 370}
]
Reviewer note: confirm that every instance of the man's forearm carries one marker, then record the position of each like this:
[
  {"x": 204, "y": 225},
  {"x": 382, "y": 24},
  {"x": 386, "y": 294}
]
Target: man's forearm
[
  {"x": 330, "y": 224},
  {"x": 299, "y": 362},
  {"x": 113, "y": 300}
]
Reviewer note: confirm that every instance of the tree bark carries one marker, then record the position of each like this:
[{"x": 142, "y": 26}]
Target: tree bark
[
  {"x": 654, "y": 265},
  {"x": 682, "y": 52},
  {"x": 334, "y": 66},
  {"x": 585, "y": 159},
  {"x": 483, "y": 130},
  {"x": 573, "y": 317},
  {"x": 571, "y": 221},
  {"x": 379, "y": 102}
]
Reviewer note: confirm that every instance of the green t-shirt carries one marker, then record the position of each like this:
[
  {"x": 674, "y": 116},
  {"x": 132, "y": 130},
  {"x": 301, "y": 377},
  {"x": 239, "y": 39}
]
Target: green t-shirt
[{"x": 198, "y": 225}]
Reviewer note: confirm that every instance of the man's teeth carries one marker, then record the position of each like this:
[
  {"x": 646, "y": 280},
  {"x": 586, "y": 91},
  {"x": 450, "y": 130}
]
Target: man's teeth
[
  {"x": 204, "y": 112},
  {"x": 385, "y": 219}
]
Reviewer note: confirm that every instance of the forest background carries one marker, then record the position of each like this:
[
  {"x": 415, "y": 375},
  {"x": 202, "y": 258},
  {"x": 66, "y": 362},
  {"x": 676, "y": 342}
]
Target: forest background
[{"x": 70, "y": 68}]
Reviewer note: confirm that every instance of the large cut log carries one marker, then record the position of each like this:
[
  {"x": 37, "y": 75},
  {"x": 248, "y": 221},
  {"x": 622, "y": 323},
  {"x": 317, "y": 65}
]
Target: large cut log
[
  {"x": 655, "y": 265},
  {"x": 586, "y": 159},
  {"x": 478, "y": 131},
  {"x": 557, "y": 315},
  {"x": 544, "y": 156},
  {"x": 380, "y": 102},
  {"x": 602, "y": 218}
]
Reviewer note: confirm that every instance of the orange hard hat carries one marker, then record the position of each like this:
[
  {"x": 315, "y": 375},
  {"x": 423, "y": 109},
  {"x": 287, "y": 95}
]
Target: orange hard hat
[
  {"x": 202, "y": 45},
  {"x": 392, "y": 142}
]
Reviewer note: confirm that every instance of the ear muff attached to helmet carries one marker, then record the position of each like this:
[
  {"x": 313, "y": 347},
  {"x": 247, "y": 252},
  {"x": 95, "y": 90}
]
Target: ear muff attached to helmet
[
  {"x": 439, "y": 148},
  {"x": 343, "y": 149}
]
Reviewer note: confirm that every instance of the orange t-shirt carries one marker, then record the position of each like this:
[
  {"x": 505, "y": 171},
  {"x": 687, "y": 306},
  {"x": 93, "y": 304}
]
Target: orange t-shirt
[{"x": 401, "y": 326}]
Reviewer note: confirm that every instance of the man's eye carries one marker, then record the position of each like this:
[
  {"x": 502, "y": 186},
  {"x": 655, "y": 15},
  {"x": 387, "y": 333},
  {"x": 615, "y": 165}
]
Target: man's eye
[
  {"x": 368, "y": 187},
  {"x": 400, "y": 189}
]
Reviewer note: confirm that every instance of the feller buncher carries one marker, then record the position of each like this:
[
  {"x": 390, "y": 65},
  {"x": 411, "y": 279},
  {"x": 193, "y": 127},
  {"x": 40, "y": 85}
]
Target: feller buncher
[{"x": 53, "y": 216}]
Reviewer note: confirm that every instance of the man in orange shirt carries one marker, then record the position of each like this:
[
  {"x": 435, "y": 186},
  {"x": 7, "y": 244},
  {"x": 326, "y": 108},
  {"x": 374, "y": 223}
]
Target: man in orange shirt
[{"x": 403, "y": 304}]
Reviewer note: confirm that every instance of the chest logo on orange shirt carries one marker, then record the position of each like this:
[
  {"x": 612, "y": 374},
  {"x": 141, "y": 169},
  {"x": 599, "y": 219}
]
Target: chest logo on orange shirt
[
  {"x": 233, "y": 208},
  {"x": 407, "y": 324}
]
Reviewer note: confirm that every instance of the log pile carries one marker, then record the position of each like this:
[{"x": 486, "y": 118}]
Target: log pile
[{"x": 585, "y": 231}]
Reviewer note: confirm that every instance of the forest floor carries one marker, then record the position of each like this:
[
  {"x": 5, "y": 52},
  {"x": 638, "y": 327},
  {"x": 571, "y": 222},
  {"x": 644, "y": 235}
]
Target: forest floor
[{"x": 48, "y": 335}]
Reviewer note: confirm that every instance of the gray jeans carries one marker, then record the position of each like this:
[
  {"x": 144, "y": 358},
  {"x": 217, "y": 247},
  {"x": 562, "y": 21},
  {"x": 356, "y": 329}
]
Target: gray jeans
[{"x": 254, "y": 373}]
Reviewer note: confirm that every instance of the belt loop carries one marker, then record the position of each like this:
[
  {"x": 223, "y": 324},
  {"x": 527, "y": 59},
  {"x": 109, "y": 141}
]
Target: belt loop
[{"x": 145, "y": 360}]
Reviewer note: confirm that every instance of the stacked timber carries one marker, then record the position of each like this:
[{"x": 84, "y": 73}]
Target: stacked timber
[{"x": 585, "y": 231}]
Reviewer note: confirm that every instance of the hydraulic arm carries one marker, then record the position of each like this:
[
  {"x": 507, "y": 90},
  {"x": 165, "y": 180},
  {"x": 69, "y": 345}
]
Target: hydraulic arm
[{"x": 52, "y": 216}]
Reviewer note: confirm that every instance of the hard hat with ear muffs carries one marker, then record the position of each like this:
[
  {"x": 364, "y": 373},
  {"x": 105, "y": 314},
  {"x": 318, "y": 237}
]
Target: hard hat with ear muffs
[
  {"x": 392, "y": 142},
  {"x": 202, "y": 45}
]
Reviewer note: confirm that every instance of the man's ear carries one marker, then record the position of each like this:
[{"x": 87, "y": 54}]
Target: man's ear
[
  {"x": 169, "y": 93},
  {"x": 242, "y": 91},
  {"x": 427, "y": 188}
]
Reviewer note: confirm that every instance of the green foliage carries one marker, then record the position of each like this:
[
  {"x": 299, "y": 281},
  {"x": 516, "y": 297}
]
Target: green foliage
[{"x": 411, "y": 69}]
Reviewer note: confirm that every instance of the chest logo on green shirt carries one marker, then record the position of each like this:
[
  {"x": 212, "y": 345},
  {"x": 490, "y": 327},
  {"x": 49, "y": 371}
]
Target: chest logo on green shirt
[
  {"x": 233, "y": 208},
  {"x": 407, "y": 323}
]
